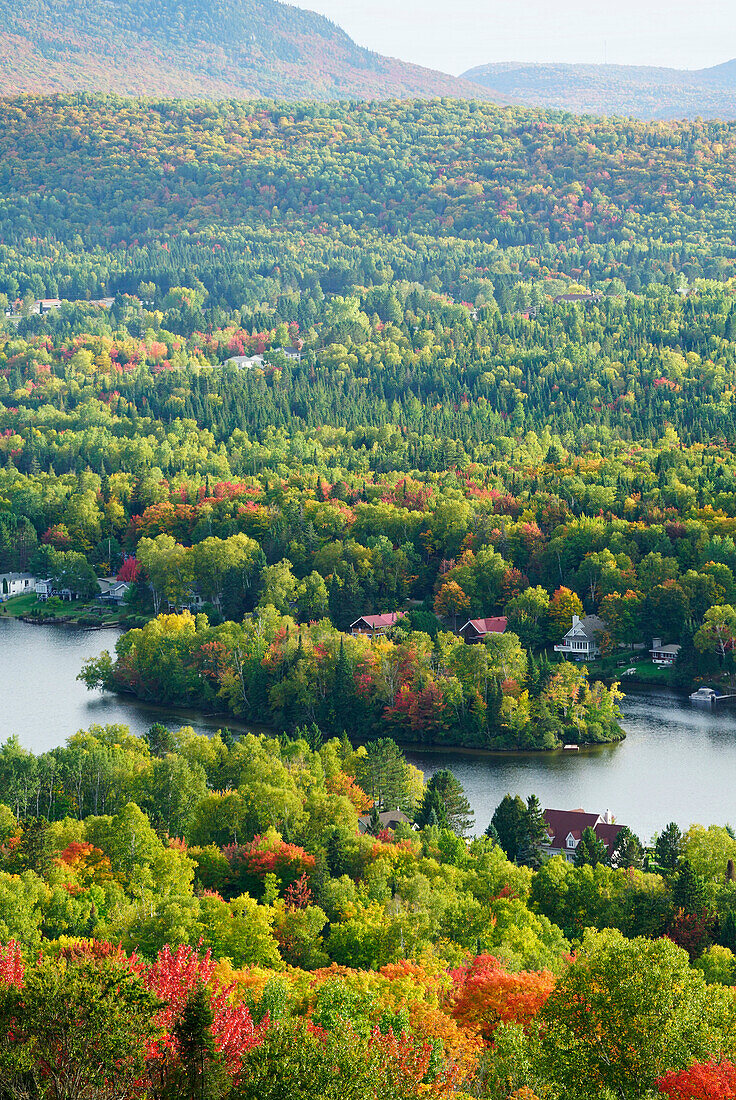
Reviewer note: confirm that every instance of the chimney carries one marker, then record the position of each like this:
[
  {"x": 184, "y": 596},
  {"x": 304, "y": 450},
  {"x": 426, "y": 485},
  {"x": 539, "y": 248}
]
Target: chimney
[
  {"x": 575, "y": 620},
  {"x": 608, "y": 818},
  {"x": 656, "y": 643}
]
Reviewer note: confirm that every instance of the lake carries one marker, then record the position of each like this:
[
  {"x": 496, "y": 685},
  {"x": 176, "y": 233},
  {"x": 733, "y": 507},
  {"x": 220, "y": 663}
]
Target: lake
[{"x": 677, "y": 762}]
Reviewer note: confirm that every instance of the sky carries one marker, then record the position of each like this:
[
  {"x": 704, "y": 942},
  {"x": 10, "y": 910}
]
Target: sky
[{"x": 455, "y": 35}]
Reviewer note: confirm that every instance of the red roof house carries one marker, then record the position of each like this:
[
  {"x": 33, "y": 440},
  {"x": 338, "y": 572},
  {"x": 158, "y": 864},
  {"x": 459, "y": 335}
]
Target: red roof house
[
  {"x": 376, "y": 624},
  {"x": 475, "y": 630},
  {"x": 565, "y": 829}
]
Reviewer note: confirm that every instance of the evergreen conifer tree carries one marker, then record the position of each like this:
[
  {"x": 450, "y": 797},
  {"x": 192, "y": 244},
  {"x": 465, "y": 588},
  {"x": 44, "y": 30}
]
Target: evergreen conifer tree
[{"x": 590, "y": 851}]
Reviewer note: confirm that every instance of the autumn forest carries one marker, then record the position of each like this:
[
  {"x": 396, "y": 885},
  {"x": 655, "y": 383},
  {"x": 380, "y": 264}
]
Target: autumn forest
[{"x": 278, "y": 369}]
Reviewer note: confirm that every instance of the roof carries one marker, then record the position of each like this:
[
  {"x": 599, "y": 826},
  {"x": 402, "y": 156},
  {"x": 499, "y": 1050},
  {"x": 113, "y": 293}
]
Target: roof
[
  {"x": 17, "y": 577},
  {"x": 579, "y": 298},
  {"x": 108, "y": 584},
  {"x": 495, "y": 625},
  {"x": 674, "y": 649},
  {"x": 561, "y": 823},
  {"x": 375, "y": 622},
  {"x": 245, "y": 360},
  {"x": 589, "y": 626},
  {"x": 389, "y": 819}
]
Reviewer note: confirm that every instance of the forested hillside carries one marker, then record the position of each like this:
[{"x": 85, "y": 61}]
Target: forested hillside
[
  {"x": 209, "y": 48},
  {"x": 639, "y": 91},
  {"x": 459, "y": 387},
  {"x": 256, "y": 199}
]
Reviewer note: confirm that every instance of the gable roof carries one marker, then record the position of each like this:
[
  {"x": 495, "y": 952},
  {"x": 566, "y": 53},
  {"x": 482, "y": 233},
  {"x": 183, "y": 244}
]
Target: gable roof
[
  {"x": 562, "y": 823},
  {"x": 389, "y": 819},
  {"x": 589, "y": 626},
  {"x": 495, "y": 625},
  {"x": 375, "y": 622}
]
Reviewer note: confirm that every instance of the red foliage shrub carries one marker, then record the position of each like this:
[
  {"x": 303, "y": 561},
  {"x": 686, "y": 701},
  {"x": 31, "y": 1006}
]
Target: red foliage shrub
[
  {"x": 12, "y": 971},
  {"x": 173, "y": 977},
  {"x": 702, "y": 1081}
]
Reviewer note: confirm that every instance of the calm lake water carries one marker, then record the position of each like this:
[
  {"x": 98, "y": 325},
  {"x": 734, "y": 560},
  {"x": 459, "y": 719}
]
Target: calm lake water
[{"x": 677, "y": 762}]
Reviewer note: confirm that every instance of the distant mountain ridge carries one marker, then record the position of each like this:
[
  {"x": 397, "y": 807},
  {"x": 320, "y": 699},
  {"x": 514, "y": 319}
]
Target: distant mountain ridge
[
  {"x": 640, "y": 91},
  {"x": 199, "y": 48}
]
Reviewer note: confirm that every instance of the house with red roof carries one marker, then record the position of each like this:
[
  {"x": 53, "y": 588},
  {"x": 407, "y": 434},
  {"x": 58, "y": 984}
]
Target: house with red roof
[
  {"x": 376, "y": 624},
  {"x": 565, "y": 830},
  {"x": 475, "y": 630}
]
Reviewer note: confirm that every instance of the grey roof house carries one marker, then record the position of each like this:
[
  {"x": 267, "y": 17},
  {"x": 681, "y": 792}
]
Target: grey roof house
[{"x": 581, "y": 640}]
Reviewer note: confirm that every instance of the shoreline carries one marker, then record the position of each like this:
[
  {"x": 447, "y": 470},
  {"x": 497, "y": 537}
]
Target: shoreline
[{"x": 238, "y": 725}]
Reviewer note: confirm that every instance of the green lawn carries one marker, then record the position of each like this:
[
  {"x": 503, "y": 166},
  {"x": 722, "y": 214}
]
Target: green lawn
[
  {"x": 29, "y": 605},
  {"x": 646, "y": 673}
]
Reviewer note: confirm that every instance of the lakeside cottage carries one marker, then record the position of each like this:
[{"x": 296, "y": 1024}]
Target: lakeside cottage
[
  {"x": 113, "y": 591},
  {"x": 581, "y": 640},
  {"x": 664, "y": 655},
  {"x": 376, "y": 624},
  {"x": 565, "y": 830},
  {"x": 16, "y": 584},
  {"x": 476, "y": 630}
]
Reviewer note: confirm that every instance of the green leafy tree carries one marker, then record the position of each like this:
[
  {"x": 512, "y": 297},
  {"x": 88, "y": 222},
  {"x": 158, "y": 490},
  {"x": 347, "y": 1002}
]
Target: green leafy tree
[
  {"x": 625, "y": 1012},
  {"x": 76, "y": 1029}
]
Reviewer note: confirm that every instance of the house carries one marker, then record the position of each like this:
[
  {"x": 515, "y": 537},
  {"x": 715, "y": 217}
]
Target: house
[
  {"x": 245, "y": 362},
  {"x": 293, "y": 353},
  {"x": 44, "y": 589},
  {"x": 475, "y": 630},
  {"x": 45, "y": 305},
  {"x": 389, "y": 819},
  {"x": 376, "y": 624},
  {"x": 581, "y": 640},
  {"x": 112, "y": 590},
  {"x": 16, "y": 584},
  {"x": 664, "y": 655},
  {"x": 565, "y": 830},
  {"x": 584, "y": 299}
]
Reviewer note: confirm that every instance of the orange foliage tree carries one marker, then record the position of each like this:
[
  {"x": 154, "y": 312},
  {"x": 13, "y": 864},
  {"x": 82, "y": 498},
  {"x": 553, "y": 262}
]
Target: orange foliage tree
[{"x": 486, "y": 995}]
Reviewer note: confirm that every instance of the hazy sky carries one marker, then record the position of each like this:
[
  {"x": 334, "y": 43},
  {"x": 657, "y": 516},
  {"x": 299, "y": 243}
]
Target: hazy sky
[{"x": 453, "y": 35}]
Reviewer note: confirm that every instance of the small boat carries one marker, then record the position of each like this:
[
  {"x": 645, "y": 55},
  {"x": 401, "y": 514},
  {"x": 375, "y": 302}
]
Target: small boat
[
  {"x": 706, "y": 695},
  {"x": 571, "y": 748}
]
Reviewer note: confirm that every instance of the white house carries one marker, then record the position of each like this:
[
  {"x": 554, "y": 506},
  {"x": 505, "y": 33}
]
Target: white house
[
  {"x": 245, "y": 362},
  {"x": 664, "y": 655},
  {"x": 15, "y": 584},
  {"x": 581, "y": 640},
  {"x": 44, "y": 589}
]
